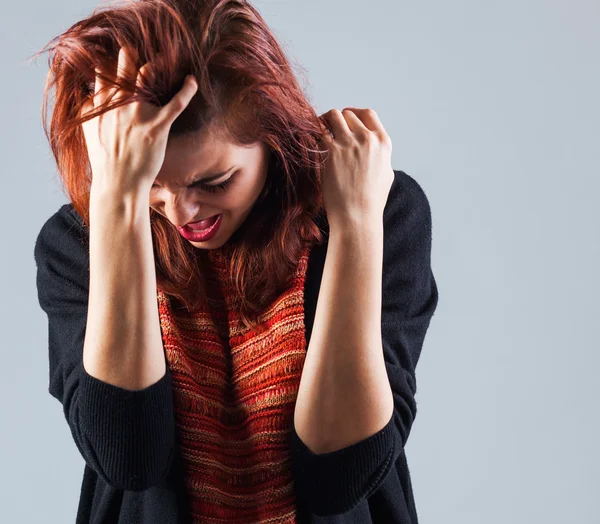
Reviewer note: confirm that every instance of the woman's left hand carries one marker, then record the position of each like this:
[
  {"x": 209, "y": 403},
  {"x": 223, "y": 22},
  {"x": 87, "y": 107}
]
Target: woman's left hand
[{"x": 358, "y": 175}]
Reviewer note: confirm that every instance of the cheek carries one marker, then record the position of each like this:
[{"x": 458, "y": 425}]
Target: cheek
[{"x": 243, "y": 194}]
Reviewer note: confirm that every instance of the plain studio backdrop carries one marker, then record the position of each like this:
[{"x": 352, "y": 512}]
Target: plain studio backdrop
[{"x": 493, "y": 107}]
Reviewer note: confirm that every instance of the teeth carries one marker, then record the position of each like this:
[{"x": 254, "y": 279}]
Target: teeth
[{"x": 203, "y": 224}]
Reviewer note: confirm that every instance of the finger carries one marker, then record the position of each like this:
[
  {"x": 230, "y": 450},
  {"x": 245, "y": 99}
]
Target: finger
[
  {"x": 354, "y": 122},
  {"x": 336, "y": 123},
  {"x": 99, "y": 88},
  {"x": 103, "y": 85},
  {"x": 98, "y": 82},
  {"x": 86, "y": 107},
  {"x": 370, "y": 119},
  {"x": 126, "y": 74},
  {"x": 141, "y": 75},
  {"x": 326, "y": 135},
  {"x": 179, "y": 102}
]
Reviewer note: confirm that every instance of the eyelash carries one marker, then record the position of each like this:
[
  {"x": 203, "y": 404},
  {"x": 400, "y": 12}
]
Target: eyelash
[{"x": 213, "y": 189}]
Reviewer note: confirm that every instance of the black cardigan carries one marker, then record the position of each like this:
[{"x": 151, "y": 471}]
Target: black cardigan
[{"x": 132, "y": 472}]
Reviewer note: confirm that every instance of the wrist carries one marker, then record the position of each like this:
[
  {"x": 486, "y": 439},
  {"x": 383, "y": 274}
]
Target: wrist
[
  {"x": 131, "y": 204},
  {"x": 356, "y": 226}
]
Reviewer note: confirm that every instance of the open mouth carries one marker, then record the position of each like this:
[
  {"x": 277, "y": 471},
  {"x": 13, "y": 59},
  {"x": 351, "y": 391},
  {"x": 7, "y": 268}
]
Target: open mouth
[{"x": 202, "y": 224}]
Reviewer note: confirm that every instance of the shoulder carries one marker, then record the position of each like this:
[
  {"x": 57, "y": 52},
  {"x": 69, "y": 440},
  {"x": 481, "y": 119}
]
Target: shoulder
[
  {"x": 65, "y": 220},
  {"x": 411, "y": 290},
  {"x": 406, "y": 192},
  {"x": 62, "y": 238},
  {"x": 407, "y": 211}
]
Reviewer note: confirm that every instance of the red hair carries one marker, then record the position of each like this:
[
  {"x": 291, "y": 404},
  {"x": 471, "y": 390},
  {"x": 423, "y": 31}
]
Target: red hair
[{"x": 246, "y": 84}]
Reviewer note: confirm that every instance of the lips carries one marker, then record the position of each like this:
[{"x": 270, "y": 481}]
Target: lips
[{"x": 202, "y": 224}]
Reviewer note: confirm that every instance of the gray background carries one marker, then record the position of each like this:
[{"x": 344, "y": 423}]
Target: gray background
[{"x": 493, "y": 108}]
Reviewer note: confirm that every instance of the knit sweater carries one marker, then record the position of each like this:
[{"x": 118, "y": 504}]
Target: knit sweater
[{"x": 213, "y": 440}]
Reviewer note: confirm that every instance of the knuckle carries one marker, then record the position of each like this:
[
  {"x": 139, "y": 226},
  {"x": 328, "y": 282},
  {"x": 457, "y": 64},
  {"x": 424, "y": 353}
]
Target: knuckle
[
  {"x": 180, "y": 104},
  {"x": 176, "y": 105},
  {"x": 365, "y": 137},
  {"x": 150, "y": 133}
]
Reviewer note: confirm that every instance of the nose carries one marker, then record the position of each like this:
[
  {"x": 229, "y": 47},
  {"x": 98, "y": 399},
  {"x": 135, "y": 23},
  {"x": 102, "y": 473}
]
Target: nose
[{"x": 181, "y": 210}]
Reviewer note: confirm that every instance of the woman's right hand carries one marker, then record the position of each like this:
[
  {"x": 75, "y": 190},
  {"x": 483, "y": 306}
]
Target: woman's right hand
[{"x": 127, "y": 144}]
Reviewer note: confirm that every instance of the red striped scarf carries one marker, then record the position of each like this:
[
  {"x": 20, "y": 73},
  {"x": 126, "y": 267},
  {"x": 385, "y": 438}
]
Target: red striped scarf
[{"x": 234, "y": 395}]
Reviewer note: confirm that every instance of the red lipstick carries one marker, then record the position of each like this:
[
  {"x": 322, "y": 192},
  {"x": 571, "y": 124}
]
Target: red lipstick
[{"x": 203, "y": 230}]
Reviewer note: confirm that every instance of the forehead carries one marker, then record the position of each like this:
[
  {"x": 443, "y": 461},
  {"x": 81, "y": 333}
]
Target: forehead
[{"x": 197, "y": 154}]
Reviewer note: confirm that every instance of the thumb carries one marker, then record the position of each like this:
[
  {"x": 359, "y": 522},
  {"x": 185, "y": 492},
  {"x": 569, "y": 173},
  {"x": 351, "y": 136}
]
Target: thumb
[{"x": 179, "y": 102}]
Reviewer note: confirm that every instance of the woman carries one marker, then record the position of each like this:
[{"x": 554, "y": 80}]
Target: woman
[{"x": 238, "y": 292}]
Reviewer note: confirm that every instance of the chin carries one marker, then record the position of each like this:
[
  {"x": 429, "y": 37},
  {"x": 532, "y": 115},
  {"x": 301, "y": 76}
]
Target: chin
[{"x": 208, "y": 244}]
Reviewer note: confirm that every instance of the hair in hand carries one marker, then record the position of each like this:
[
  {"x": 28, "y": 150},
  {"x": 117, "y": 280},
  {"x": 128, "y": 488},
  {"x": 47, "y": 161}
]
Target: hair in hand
[{"x": 246, "y": 84}]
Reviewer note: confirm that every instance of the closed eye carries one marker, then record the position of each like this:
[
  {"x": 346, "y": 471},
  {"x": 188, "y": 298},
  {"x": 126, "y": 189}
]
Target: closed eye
[
  {"x": 213, "y": 189},
  {"x": 202, "y": 185}
]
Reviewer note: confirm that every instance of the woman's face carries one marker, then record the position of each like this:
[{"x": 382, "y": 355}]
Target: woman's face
[{"x": 190, "y": 158}]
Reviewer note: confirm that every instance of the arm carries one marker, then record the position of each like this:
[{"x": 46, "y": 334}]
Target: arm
[
  {"x": 124, "y": 430},
  {"x": 123, "y": 344},
  {"x": 345, "y": 348},
  {"x": 333, "y": 479}
]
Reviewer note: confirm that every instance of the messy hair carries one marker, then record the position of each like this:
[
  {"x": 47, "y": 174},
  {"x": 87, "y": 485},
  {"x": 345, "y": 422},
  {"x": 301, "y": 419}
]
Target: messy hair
[{"x": 245, "y": 84}]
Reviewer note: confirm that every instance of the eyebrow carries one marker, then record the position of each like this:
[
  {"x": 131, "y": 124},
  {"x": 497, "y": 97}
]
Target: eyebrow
[{"x": 211, "y": 177}]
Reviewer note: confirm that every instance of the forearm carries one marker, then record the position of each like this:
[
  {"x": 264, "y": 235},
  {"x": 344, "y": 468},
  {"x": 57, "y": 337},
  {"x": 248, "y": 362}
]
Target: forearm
[
  {"x": 123, "y": 343},
  {"x": 345, "y": 395}
]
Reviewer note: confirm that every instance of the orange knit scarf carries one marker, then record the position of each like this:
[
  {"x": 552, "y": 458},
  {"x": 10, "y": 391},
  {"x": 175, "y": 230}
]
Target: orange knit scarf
[{"x": 234, "y": 396}]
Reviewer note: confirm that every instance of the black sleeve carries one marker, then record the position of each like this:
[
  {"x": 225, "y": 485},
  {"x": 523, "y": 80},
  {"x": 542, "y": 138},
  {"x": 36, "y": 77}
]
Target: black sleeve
[
  {"x": 127, "y": 437},
  {"x": 335, "y": 482}
]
